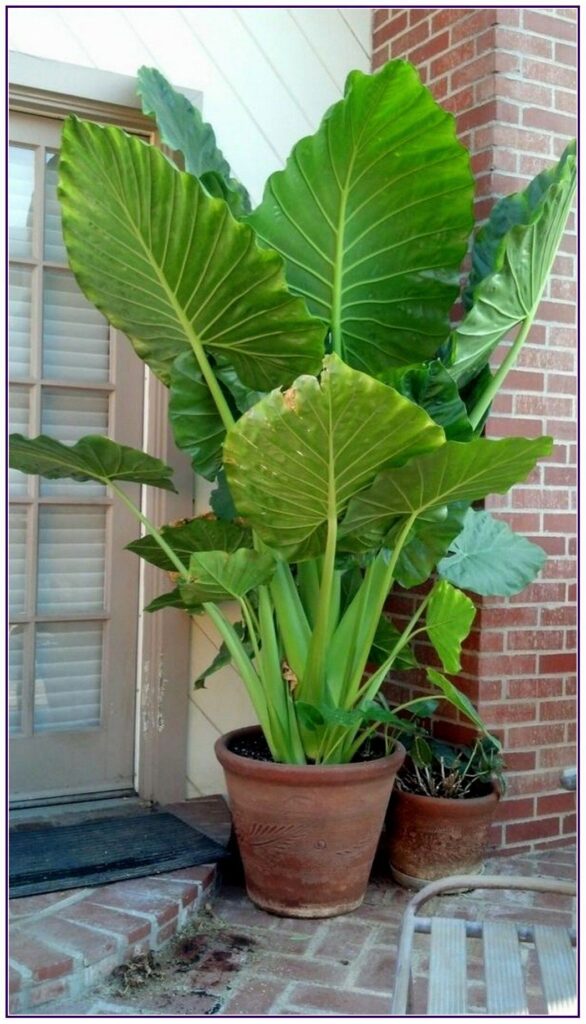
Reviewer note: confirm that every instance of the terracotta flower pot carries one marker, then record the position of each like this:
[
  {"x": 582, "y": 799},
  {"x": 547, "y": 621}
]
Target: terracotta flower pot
[
  {"x": 431, "y": 837},
  {"x": 307, "y": 833}
]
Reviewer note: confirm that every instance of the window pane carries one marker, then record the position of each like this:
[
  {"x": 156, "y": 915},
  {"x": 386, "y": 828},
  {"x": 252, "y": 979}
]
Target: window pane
[
  {"x": 72, "y": 543},
  {"x": 18, "y": 526},
  {"x": 15, "y": 666},
  {"x": 54, "y": 248},
  {"x": 76, "y": 337},
  {"x": 21, "y": 183},
  {"x": 67, "y": 416},
  {"x": 68, "y": 674},
  {"x": 19, "y": 424},
  {"x": 19, "y": 321}
]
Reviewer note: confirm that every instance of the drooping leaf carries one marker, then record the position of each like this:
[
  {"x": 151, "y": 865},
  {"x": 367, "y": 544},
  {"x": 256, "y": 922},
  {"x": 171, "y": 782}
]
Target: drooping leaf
[
  {"x": 172, "y": 599},
  {"x": 221, "y": 575},
  {"x": 372, "y": 215},
  {"x": 294, "y": 457},
  {"x": 194, "y": 417},
  {"x": 223, "y": 657},
  {"x": 432, "y": 387},
  {"x": 420, "y": 752},
  {"x": 455, "y": 472},
  {"x": 490, "y": 558},
  {"x": 429, "y": 539},
  {"x": 385, "y": 640},
  {"x": 168, "y": 265},
  {"x": 183, "y": 129},
  {"x": 450, "y": 615},
  {"x": 520, "y": 263},
  {"x": 192, "y": 535},
  {"x": 91, "y": 458},
  {"x": 455, "y": 696}
]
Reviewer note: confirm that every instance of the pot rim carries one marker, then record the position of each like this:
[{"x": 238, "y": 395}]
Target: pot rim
[
  {"x": 445, "y": 802},
  {"x": 312, "y": 774}
]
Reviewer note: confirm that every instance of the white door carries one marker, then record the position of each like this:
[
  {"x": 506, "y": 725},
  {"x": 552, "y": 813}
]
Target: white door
[{"x": 74, "y": 593}]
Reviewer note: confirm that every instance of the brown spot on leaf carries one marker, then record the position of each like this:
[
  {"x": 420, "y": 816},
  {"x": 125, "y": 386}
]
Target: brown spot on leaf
[{"x": 290, "y": 399}]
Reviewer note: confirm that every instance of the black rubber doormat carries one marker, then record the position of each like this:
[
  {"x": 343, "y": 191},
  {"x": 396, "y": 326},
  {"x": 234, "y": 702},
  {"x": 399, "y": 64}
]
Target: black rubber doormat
[{"x": 106, "y": 850}]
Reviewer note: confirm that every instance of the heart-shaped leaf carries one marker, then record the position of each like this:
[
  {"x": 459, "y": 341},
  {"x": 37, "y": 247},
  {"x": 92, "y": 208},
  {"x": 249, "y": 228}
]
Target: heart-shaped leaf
[
  {"x": 296, "y": 457},
  {"x": 221, "y": 575},
  {"x": 372, "y": 215},
  {"x": 201, "y": 534},
  {"x": 92, "y": 458},
  {"x": 183, "y": 129},
  {"x": 455, "y": 472},
  {"x": 490, "y": 558},
  {"x": 450, "y": 615},
  {"x": 168, "y": 264}
]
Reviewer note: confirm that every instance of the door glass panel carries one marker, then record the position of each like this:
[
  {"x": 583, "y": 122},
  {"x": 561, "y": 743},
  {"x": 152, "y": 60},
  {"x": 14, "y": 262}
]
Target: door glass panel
[
  {"x": 19, "y": 483},
  {"x": 72, "y": 547},
  {"x": 76, "y": 337},
  {"x": 54, "y": 249},
  {"x": 67, "y": 416},
  {"x": 68, "y": 674},
  {"x": 21, "y": 171},
  {"x": 15, "y": 675},
  {"x": 18, "y": 522},
  {"x": 19, "y": 321}
]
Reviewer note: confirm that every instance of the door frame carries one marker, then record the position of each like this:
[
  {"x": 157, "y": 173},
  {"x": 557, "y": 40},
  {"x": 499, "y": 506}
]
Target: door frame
[{"x": 164, "y": 639}]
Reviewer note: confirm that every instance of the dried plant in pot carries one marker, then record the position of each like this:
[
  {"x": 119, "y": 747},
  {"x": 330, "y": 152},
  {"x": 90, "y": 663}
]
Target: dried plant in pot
[
  {"x": 441, "y": 810},
  {"x": 315, "y": 378}
]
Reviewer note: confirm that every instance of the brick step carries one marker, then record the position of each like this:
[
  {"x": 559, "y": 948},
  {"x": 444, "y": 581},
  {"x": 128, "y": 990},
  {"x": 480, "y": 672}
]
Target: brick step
[{"x": 61, "y": 944}]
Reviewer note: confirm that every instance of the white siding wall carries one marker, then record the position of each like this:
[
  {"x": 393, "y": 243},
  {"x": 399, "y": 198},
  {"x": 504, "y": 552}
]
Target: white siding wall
[{"x": 267, "y": 76}]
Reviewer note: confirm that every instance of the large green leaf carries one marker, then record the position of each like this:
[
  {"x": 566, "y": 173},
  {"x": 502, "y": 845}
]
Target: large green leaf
[
  {"x": 372, "y": 215},
  {"x": 92, "y": 458},
  {"x": 201, "y": 534},
  {"x": 434, "y": 389},
  {"x": 513, "y": 260},
  {"x": 490, "y": 558},
  {"x": 168, "y": 265},
  {"x": 455, "y": 472},
  {"x": 449, "y": 618},
  {"x": 197, "y": 425},
  {"x": 220, "y": 575},
  {"x": 295, "y": 457},
  {"x": 182, "y": 128}
]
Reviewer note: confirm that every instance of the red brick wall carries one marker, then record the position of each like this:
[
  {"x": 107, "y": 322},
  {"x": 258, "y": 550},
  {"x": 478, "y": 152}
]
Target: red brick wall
[{"x": 509, "y": 76}]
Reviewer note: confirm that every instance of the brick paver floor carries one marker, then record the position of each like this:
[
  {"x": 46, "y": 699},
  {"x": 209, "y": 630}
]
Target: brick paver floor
[{"x": 236, "y": 960}]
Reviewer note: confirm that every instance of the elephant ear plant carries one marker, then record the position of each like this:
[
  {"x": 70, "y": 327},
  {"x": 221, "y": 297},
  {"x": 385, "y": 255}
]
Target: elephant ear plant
[{"x": 315, "y": 376}]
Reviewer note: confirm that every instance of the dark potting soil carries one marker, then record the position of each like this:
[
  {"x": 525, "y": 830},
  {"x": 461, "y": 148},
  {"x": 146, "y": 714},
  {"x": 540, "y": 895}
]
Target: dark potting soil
[{"x": 257, "y": 748}]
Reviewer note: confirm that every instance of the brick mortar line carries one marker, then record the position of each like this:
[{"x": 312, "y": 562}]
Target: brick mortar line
[
  {"x": 21, "y": 919},
  {"x": 362, "y": 958}
]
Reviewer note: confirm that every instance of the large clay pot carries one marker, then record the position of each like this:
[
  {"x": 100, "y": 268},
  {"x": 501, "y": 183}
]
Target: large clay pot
[
  {"x": 307, "y": 834},
  {"x": 431, "y": 837}
]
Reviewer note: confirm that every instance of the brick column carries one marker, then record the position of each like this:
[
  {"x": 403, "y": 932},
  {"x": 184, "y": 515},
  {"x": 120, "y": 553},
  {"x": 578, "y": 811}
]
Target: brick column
[{"x": 509, "y": 76}]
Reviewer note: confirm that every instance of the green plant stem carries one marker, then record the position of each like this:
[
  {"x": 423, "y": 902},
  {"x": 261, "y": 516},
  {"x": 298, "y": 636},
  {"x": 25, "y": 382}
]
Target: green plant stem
[
  {"x": 483, "y": 403},
  {"x": 250, "y": 625},
  {"x": 155, "y": 534},
  {"x": 370, "y": 688}
]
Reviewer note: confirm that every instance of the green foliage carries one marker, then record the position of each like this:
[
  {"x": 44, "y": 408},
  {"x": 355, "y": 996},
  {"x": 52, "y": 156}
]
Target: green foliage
[
  {"x": 381, "y": 193},
  {"x": 183, "y": 129},
  {"x": 490, "y": 558},
  {"x": 439, "y": 769},
  {"x": 92, "y": 458},
  {"x": 314, "y": 378}
]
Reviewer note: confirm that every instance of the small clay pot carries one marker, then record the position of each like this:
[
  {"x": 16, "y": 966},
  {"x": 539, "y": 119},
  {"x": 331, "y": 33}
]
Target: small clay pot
[
  {"x": 433, "y": 837},
  {"x": 307, "y": 834}
]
